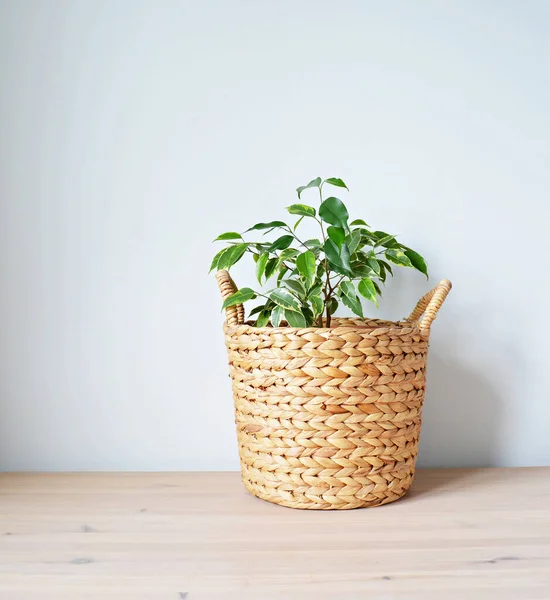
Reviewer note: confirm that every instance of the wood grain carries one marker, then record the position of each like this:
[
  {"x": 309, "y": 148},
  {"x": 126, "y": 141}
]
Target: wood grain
[{"x": 459, "y": 534}]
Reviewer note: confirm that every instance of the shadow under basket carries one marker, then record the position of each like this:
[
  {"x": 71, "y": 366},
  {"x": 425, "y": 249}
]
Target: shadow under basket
[{"x": 329, "y": 418}]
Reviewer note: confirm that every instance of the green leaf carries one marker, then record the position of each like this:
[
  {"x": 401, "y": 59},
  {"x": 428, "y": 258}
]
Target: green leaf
[
  {"x": 398, "y": 257},
  {"x": 230, "y": 235},
  {"x": 349, "y": 297},
  {"x": 338, "y": 257},
  {"x": 263, "y": 318},
  {"x": 354, "y": 304},
  {"x": 306, "y": 265},
  {"x": 333, "y": 306},
  {"x": 320, "y": 274},
  {"x": 353, "y": 240},
  {"x": 332, "y": 252},
  {"x": 345, "y": 258},
  {"x": 347, "y": 288},
  {"x": 295, "y": 319},
  {"x": 368, "y": 290},
  {"x": 298, "y": 222},
  {"x": 277, "y": 316},
  {"x": 313, "y": 183},
  {"x": 337, "y": 235},
  {"x": 281, "y": 243},
  {"x": 284, "y": 298},
  {"x": 271, "y": 225},
  {"x": 288, "y": 254},
  {"x": 240, "y": 296},
  {"x": 256, "y": 310},
  {"x": 317, "y": 305},
  {"x": 260, "y": 267},
  {"x": 282, "y": 272},
  {"x": 363, "y": 256},
  {"x": 270, "y": 267},
  {"x": 216, "y": 259},
  {"x": 361, "y": 270},
  {"x": 385, "y": 239},
  {"x": 301, "y": 209},
  {"x": 231, "y": 256},
  {"x": 314, "y": 245},
  {"x": 417, "y": 261},
  {"x": 374, "y": 265},
  {"x": 316, "y": 289},
  {"x": 333, "y": 211},
  {"x": 359, "y": 223},
  {"x": 308, "y": 314},
  {"x": 337, "y": 182},
  {"x": 386, "y": 266},
  {"x": 296, "y": 286},
  {"x": 260, "y": 247},
  {"x": 368, "y": 237}
]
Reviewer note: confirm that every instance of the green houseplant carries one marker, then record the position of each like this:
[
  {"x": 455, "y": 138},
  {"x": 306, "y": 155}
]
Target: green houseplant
[
  {"x": 349, "y": 261},
  {"x": 328, "y": 409}
]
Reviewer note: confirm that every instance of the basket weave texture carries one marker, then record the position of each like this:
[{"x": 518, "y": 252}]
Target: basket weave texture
[{"x": 329, "y": 418}]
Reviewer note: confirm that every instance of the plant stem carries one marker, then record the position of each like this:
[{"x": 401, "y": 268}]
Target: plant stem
[
  {"x": 297, "y": 238},
  {"x": 326, "y": 292},
  {"x": 333, "y": 287}
]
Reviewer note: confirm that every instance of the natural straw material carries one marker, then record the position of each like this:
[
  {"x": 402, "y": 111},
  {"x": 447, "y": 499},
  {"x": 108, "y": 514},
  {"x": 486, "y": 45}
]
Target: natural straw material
[{"x": 329, "y": 418}]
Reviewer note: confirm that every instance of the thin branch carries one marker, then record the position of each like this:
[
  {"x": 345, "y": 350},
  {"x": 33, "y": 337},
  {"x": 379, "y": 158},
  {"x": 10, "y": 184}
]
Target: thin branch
[
  {"x": 327, "y": 293},
  {"x": 297, "y": 238}
]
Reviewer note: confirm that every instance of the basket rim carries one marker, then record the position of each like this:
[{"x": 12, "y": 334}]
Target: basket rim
[{"x": 396, "y": 326}]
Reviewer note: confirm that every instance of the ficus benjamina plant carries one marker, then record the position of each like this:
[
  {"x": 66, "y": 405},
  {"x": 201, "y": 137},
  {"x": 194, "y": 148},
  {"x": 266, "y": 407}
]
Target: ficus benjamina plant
[{"x": 349, "y": 261}]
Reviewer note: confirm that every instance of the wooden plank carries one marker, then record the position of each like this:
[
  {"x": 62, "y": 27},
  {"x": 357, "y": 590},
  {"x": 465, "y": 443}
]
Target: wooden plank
[{"x": 459, "y": 533}]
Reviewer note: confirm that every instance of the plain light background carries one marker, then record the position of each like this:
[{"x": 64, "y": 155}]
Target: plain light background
[{"x": 133, "y": 132}]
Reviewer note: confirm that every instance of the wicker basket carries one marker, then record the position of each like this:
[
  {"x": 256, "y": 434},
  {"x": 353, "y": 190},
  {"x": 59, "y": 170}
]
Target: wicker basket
[{"x": 329, "y": 418}]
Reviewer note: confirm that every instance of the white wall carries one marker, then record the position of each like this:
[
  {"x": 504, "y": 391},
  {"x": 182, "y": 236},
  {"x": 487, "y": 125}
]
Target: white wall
[{"x": 134, "y": 131}]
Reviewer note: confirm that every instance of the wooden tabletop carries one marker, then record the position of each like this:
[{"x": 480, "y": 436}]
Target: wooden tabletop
[{"x": 459, "y": 534}]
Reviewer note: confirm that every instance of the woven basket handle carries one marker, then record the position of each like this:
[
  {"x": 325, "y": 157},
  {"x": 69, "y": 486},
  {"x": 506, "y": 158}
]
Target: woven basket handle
[
  {"x": 429, "y": 304},
  {"x": 234, "y": 315}
]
